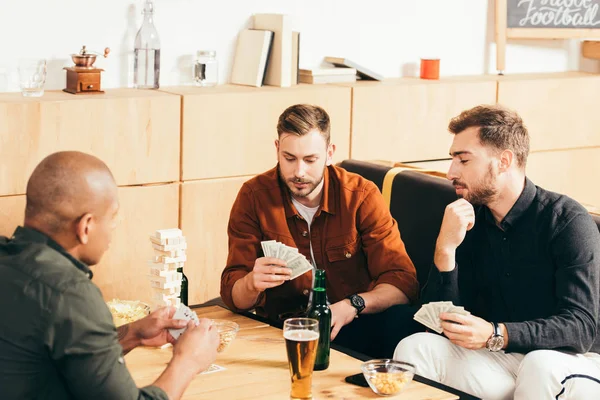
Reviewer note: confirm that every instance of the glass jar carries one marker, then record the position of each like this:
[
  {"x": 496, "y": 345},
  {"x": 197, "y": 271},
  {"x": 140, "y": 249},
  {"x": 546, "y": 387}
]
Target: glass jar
[{"x": 206, "y": 69}]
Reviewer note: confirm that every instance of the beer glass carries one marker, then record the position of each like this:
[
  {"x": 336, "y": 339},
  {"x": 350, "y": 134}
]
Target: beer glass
[{"x": 301, "y": 340}]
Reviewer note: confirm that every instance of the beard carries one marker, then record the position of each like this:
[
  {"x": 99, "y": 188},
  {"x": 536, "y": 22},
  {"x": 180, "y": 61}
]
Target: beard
[
  {"x": 310, "y": 185},
  {"x": 482, "y": 192}
]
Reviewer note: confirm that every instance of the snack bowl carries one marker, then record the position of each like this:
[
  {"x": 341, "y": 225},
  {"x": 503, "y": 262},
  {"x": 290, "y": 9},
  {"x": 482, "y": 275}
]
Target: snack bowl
[
  {"x": 387, "y": 377},
  {"x": 227, "y": 332},
  {"x": 127, "y": 311}
]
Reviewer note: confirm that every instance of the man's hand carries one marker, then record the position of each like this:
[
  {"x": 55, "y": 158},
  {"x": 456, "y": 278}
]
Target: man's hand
[
  {"x": 197, "y": 346},
  {"x": 342, "y": 313},
  {"x": 268, "y": 272},
  {"x": 466, "y": 331},
  {"x": 153, "y": 329},
  {"x": 459, "y": 218}
]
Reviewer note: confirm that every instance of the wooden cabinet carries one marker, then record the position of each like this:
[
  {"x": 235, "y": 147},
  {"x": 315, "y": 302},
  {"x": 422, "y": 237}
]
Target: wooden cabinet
[
  {"x": 12, "y": 213},
  {"x": 560, "y": 110},
  {"x": 122, "y": 272},
  {"x": 205, "y": 209},
  {"x": 230, "y": 130},
  {"x": 407, "y": 119},
  {"x": 135, "y": 132}
]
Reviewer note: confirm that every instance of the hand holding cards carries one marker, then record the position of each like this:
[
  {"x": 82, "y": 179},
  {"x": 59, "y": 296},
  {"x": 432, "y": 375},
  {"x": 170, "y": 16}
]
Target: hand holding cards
[
  {"x": 185, "y": 313},
  {"x": 429, "y": 314},
  {"x": 295, "y": 261}
]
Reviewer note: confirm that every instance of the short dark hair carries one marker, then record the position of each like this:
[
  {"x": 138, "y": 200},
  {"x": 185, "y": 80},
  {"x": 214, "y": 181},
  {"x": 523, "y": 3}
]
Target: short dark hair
[
  {"x": 300, "y": 119},
  {"x": 499, "y": 128}
]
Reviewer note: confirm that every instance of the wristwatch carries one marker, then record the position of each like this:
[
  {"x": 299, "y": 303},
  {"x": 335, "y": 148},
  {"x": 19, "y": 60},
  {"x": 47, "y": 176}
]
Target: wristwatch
[
  {"x": 496, "y": 341},
  {"x": 357, "y": 302}
]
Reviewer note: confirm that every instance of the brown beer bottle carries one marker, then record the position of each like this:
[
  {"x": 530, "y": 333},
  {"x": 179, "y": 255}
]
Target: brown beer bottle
[{"x": 320, "y": 311}]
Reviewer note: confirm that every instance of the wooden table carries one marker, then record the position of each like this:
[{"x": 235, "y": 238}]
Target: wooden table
[{"x": 256, "y": 368}]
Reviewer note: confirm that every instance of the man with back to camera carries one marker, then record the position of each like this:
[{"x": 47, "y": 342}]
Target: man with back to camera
[
  {"x": 57, "y": 336},
  {"x": 524, "y": 261},
  {"x": 340, "y": 222}
]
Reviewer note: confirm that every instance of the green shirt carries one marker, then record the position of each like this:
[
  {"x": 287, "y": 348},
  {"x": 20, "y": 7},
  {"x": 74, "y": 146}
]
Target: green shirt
[{"x": 57, "y": 336}]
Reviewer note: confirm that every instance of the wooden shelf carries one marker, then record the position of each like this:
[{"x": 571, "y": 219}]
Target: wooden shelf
[{"x": 137, "y": 134}]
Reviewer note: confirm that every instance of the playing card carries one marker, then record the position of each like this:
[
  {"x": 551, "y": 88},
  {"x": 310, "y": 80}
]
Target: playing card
[
  {"x": 185, "y": 313},
  {"x": 213, "y": 368},
  {"x": 299, "y": 265},
  {"x": 287, "y": 253},
  {"x": 267, "y": 246},
  {"x": 429, "y": 314}
]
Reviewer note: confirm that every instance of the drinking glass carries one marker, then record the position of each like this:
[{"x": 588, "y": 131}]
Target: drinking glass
[
  {"x": 301, "y": 340},
  {"x": 32, "y": 77}
]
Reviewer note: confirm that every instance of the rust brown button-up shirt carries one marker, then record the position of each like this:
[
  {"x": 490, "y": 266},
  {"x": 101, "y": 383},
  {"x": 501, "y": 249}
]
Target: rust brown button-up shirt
[{"x": 354, "y": 239}]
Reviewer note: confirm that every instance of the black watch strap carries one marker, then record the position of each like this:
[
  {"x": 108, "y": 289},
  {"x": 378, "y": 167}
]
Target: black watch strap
[{"x": 357, "y": 302}]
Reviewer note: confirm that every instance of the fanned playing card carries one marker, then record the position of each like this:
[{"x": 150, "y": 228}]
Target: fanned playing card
[
  {"x": 295, "y": 261},
  {"x": 429, "y": 314},
  {"x": 185, "y": 313}
]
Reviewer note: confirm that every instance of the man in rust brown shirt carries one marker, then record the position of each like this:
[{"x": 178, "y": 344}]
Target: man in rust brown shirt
[{"x": 335, "y": 218}]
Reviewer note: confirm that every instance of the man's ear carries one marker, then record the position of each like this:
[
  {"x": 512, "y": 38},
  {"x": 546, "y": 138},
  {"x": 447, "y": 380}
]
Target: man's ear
[
  {"x": 84, "y": 227},
  {"x": 507, "y": 158},
  {"x": 330, "y": 153}
]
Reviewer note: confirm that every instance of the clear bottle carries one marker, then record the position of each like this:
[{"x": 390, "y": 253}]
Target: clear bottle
[
  {"x": 206, "y": 68},
  {"x": 183, "y": 295},
  {"x": 146, "y": 66},
  {"x": 320, "y": 311}
]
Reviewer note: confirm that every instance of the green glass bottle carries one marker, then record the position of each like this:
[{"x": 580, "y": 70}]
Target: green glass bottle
[
  {"x": 320, "y": 310},
  {"x": 183, "y": 295}
]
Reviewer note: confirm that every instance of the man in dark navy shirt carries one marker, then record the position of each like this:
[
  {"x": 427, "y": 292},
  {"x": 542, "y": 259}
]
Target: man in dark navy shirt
[{"x": 524, "y": 261}]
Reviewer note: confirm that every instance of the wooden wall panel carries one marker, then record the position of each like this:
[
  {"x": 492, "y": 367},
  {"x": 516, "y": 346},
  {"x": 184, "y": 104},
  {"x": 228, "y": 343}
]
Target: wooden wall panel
[
  {"x": 137, "y": 133},
  {"x": 123, "y": 269},
  {"x": 205, "y": 210},
  {"x": 560, "y": 111},
  {"x": 408, "y": 120},
  {"x": 571, "y": 172},
  {"x": 12, "y": 213},
  {"x": 231, "y": 131}
]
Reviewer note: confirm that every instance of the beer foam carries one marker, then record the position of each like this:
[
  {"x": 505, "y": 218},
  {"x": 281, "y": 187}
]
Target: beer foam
[{"x": 301, "y": 335}]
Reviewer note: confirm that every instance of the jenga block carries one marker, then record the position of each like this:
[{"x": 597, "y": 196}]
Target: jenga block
[
  {"x": 168, "y": 233},
  {"x": 164, "y": 297},
  {"x": 168, "y": 260},
  {"x": 174, "y": 302},
  {"x": 164, "y": 275},
  {"x": 168, "y": 241},
  {"x": 165, "y": 267},
  {"x": 164, "y": 285},
  {"x": 169, "y": 291},
  {"x": 169, "y": 247},
  {"x": 170, "y": 253}
]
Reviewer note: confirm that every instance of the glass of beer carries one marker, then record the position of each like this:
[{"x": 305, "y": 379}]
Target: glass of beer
[{"x": 301, "y": 340}]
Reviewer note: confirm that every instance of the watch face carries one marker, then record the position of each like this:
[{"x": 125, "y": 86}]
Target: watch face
[
  {"x": 357, "y": 301},
  {"x": 495, "y": 343}
]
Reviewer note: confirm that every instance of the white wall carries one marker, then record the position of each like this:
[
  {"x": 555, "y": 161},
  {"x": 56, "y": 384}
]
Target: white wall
[{"x": 387, "y": 36}]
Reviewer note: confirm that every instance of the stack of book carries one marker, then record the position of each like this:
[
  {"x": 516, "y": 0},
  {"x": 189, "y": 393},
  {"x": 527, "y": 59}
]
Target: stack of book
[
  {"x": 328, "y": 75},
  {"x": 268, "y": 54},
  {"x": 169, "y": 254}
]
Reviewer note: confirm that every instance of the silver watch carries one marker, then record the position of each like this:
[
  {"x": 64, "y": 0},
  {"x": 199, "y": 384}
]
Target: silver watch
[{"x": 496, "y": 341}]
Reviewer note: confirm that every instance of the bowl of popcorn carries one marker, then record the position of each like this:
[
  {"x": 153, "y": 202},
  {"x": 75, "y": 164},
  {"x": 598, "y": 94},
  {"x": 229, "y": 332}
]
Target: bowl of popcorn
[
  {"x": 227, "y": 332},
  {"x": 387, "y": 377},
  {"x": 127, "y": 311}
]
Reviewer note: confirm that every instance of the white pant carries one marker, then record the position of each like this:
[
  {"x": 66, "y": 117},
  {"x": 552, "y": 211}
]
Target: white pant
[{"x": 541, "y": 374}]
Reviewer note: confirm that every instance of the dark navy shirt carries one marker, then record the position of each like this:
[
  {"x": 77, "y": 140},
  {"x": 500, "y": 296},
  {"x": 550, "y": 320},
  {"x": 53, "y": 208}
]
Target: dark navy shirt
[{"x": 537, "y": 271}]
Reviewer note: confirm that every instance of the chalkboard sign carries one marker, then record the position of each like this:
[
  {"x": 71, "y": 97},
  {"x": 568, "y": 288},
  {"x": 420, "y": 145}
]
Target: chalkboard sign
[{"x": 570, "y": 14}]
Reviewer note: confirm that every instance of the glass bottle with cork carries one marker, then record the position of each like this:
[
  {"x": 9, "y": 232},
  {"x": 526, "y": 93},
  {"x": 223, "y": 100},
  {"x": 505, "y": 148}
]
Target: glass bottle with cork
[
  {"x": 320, "y": 311},
  {"x": 146, "y": 65}
]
